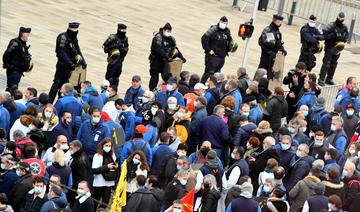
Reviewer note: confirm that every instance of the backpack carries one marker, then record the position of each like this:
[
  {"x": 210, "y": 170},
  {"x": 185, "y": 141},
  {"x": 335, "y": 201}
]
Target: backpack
[
  {"x": 316, "y": 116},
  {"x": 216, "y": 173},
  {"x": 351, "y": 183},
  {"x": 135, "y": 147}
]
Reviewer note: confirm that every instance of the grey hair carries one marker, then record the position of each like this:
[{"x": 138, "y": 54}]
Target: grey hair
[
  {"x": 270, "y": 140},
  {"x": 306, "y": 148},
  {"x": 219, "y": 76},
  {"x": 318, "y": 164},
  {"x": 184, "y": 158},
  {"x": 69, "y": 88},
  {"x": 18, "y": 134},
  {"x": 286, "y": 137},
  {"x": 217, "y": 108},
  {"x": 7, "y": 96},
  {"x": 172, "y": 98},
  {"x": 182, "y": 173},
  {"x": 339, "y": 119},
  {"x": 271, "y": 180},
  {"x": 76, "y": 143},
  {"x": 260, "y": 73},
  {"x": 211, "y": 180}
]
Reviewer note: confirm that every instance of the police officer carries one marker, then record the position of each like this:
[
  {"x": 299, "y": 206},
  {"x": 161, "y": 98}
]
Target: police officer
[
  {"x": 336, "y": 34},
  {"x": 116, "y": 46},
  {"x": 310, "y": 37},
  {"x": 69, "y": 56},
  {"x": 17, "y": 59},
  {"x": 163, "y": 49},
  {"x": 216, "y": 44},
  {"x": 271, "y": 42}
]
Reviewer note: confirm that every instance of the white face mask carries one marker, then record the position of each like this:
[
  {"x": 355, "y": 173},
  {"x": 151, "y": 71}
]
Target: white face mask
[
  {"x": 352, "y": 151},
  {"x": 167, "y": 34},
  {"x": 233, "y": 156},
  {"x": 172, "y": 106},
  {"x": 183, "y": 182},
  {"x": 222, "y": 25},
  {"x": 153, "y": 111},
  {"x": 312, "y": 24},
  {"x": 64, "y": 147}
]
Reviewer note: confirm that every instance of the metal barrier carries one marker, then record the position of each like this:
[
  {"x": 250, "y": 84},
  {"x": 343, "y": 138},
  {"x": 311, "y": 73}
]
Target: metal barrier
[{"x": 325, "y": 10}]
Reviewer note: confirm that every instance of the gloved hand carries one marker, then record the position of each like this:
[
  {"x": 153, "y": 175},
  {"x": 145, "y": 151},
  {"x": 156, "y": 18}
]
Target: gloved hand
[
  {"x": 183, "y": 59},
  {"x": 284, "y": 52},
  {"x": 84, "y": 66},
  {"x": 169, "y": 59},
  {"x": 72, "y": 67}
]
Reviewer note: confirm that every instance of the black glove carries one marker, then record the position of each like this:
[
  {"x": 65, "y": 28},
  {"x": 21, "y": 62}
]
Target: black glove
[
  {"x": 169, "y": 59},
  {"x": 284, "y": 52},
  {"x": 183, "y": 59},
  {"x": 84, "y": 66},
  {"x": 272, "y": 54},
  {"x": 72, "y": 67}
]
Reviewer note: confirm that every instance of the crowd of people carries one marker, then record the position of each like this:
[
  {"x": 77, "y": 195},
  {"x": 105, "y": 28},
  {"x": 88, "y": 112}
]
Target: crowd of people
[{"x": 236, "y": 144}]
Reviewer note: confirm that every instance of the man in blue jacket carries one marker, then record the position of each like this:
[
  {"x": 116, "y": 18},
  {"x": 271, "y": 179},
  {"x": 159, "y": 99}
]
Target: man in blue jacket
[
  {"x": 63, "y": 128},
  {"x": 214, "y": 129},
  {"x": 137, "y": 144},
  {"x": 351, "y": 98},
  {"x": 232, "y": 88},
  {"x": 134, "y": 92},
  {"x": 160, "y": 152},
  {"x": 92, "y": 132},
  {"x": 345, "y": 90},
  {"x": 90, "y": 95},
  {"x": 127, "y": 118},
  {"x": 212, "y": 95},
  {"x": 171, "y": 87},
  {"x": 68, "y": 102},
  {"x": 4, "y": 114},
  {"x": 337, "y": 137},
  {"x": 309, "y": 97}
]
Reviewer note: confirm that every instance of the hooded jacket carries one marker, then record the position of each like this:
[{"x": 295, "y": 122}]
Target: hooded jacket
[
  {"x": 276, "y": 108},
  {"x": 92, "y": 97},
  {"x": 132, "y": 96},
  {"x": 209, "y": 200},
  {"x": 183, "y": 127},
  {"x": 333, "y": 187},
  {"x": 299, "y": 168},
  {"x": 60, "y": 202},
  {"x": 141, "y": 200}
]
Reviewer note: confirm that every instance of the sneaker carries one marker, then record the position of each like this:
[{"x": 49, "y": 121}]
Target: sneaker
[
  {"x": 321, "y": 83},
  {"x": 330, "y": 82}
]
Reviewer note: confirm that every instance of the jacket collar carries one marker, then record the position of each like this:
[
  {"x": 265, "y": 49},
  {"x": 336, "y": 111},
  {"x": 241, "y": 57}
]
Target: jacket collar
[
  {"x": 41, "y": 195},
  {"x": 83, "y": 198}
]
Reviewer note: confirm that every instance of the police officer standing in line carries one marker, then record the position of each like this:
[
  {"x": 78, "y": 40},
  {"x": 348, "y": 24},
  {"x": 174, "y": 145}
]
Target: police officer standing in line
[
  {"x": 17, "y": 59},
  {"x": 336, "y": 34},
  {"x": 216, "y": 43},
  {"x": 163, "y": 49},
  {"x": 310, "y": 37},
  {"x": 116, "y": 46},
  {"x": 69, "y": 56},
  {"x": 271, "y": 43}
]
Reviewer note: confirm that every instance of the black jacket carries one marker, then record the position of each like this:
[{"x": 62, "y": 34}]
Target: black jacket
[
  {"x": 276, "y": 108},
  {"x": 67, "y": 47},
  {"x": 299, "y": 168},
  {"x": 209, "y": 200},
  {"x": 79, "y": 167},
  {"x": 16, "y": 56},
  {"x": 183, "y": 87},
  {"x": 335, "y": 32},
  {"x": 168, "y": 169},
  {"x": 115, "y": 41},
  {"x": 19, "y": 191},
  {"x": 217, "y": 40},
  {"x": 161, "y": 46},
  {"x": 173, "y": 191},
  {"x": 310, "y": 37},
  {"x": 352, "y": 193},
  {"x": 142, "y": 200},
  {"x": 271, "y": 40},
  {"x": 259, "y": 164},
  {"x": 86, "y": 206},
  {"x": 159, "y": 196}
]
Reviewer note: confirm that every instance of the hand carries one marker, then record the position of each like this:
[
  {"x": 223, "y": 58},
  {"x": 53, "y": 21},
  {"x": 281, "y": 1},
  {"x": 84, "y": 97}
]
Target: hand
[
  {"x": 110, "y": 165},
  {"x": 84, "y": 66},
  {"x": 211, "y": 52},
  {"x": 169, "y": 59},
  {"x": 72, "y": 67},
  {"x": 251, "y": 159},
  {"x": 284, "y": 52},
  {"x": 291, "y": 95},
  {"x": 183, "y": 60},
  {"x": 295, "y": 79}
]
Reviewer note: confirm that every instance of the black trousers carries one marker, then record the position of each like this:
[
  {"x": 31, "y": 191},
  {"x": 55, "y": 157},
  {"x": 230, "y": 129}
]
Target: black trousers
[
  {"x": 156, "y": 68},
  {"x": 213, "y": 64},
  {"x": 13, "y": 77},
  {"x": 114, "y": 71},
  {"x": 103, "y": 194},
  {"x": 62, "y": 76},
  {"x": 329, "y": 65},
  {"x": 307, "y": 57},
  {"x": 267, "y": 62}
]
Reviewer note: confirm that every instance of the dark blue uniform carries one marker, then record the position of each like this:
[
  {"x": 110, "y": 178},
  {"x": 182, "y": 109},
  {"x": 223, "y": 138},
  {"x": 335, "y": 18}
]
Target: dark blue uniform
[
  {"x": 310, "y": 37},
  {"x": 67, "y": 48},
  {"x": 16, "y": 60},
  {"x": 217, "y": 40}
]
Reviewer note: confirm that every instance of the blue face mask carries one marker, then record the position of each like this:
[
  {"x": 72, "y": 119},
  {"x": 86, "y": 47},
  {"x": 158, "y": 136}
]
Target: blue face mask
[
  {"x": 95, "y": 120},
  {"x": 18, "y": 173},
  {"x": 38, "y": 189},
  {"x": 318, "y": 143},
  {"x": 350, "y": 112},
  {"x": 285, "y": 146},
  {"x": 266, "y": 189},
  {"x": 169, "y": 87},
  {"x": 298, "y": 154},
  {"x": 2, "y": 166},
  {"x": 333, "y": 128},
  {"x": 246, "y": 113},
  {"x": 47, "y": 114},
  {"x": 107, "y": 149},
  {"x": 306, "y": 113},
  {"x": 291, "y": 130},
  {"x": 344, "y": 174}
]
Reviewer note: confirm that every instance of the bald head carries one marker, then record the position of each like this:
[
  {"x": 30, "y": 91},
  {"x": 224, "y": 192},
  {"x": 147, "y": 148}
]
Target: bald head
[
  {"x": 206, "y": 144},
  {"x": 61, "y": 139},
  {"x": 350, "y": 168}
]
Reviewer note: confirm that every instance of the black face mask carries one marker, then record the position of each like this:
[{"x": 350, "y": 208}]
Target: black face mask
[
  {"x": 339, "y": 22},
  {"x": 72, "y": 34},
  {"x": 121, "y": 34},
  {"x": 204, "y": 151}
]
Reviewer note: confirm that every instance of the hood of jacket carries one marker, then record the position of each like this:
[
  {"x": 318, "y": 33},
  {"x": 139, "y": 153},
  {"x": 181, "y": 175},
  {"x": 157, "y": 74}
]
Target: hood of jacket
[
  {"x": 60, "y": 201},
  {"x": 92, "y": 91},
  {"x": 312, "y": 182},
  {"x": 158, "y": 193},
  {"x": 281, "y": 99},
  {"x": 317, "y": 108},
  {"x": 333, "y": 185},
  {"x": 10, "y": 105},
  {"x": 214, "y": 193},
  {"x": 263, "y": 131}
]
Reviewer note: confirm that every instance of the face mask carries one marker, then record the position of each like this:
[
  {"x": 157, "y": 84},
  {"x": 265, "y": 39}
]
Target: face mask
[
  {"x": 47, "y": 114},
  {"x": 331, "y": 206},
  {"x": 222, "y": 25},
  {"x": 349, "y": 112},
  {"x": 298, "y": 154},
  {"x": 169, "y": 87},
  {"x": 121, "y": 34},
  {"x": 136, "y": 161},
  {"x": 18, "y": 173},
  {"x": 285, "y": 146},
  {"x": 183, "y": 182},
  {"x": 181, "y": 115},
  {"x": 107, "y": 149},
  {"x": 246, "y": 113},
  {"x": 64, "y": 147},
  {"x": 248, "y": 146},
  {"x": 107, "y": 94},
  {"x": 176, "y": 210},
  {"x": 31, "y": 127},
  {"x": 206, "y": 84},
  {"x": 36, "y": 152},
  {"x": 181, "y": 154},
  {"x": 266, "y": 189},
  {"x": 204, "y": 150},
  {"x": 167, "y": 34},
  {"x": 38, "y": 189},
  {"x": 172, "y": 106},
  {"x": 95, "y": 120},
  {"x": 67, "y": 122},
  {"x": 178, "y": 167},
  {"x": 82, "y": 91},
  {"x": 344, "y": 174},
  {"x": 311, "y": 134},
  {"x": 306, "y": 113},
  {"x": 352, "y": 151},
  {"x": 291, "y": 130},
  {"x": 304, "y": 129},
  {"x": 2, "y": 166},
  {"x": 233, "y": 156},
  {"x": 312, "y": 24},
  {"x": 333, "y": 127},
  {"x": 318, "y": 143},
  {"x": 80, "y": 192},
  {"x": 153, "y": 111}
]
